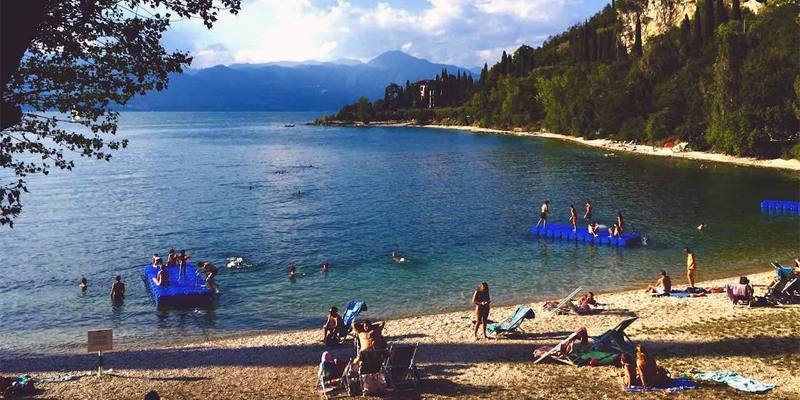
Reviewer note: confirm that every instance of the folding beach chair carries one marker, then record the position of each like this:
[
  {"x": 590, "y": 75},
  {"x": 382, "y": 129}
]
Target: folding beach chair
[
  {"x": 565, "y": 306},
  {"x": 400, "y": 369},
  {"x": 565, "y": 352},
  {"x": 370, "y": 377},
  {"x": 787, "y": 286},
  {"x": 354, "y": 307},
  {"x": 333, "y": 385},
  {"x": 739, "y": 294},
  {"x": 512, "y": 324},
  {"x": 616, "y": 340}
]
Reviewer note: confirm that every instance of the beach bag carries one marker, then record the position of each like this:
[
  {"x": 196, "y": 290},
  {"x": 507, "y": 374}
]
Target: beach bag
[{"x": 373, "y": 383}]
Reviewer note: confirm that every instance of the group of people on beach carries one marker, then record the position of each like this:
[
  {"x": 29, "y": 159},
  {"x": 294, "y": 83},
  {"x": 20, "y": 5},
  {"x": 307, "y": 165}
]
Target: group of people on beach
[{"x": 593, "y": 227}]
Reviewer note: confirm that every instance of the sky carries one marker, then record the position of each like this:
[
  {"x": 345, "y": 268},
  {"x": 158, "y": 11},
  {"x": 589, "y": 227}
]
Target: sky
[{"x": 461, "y": 32}]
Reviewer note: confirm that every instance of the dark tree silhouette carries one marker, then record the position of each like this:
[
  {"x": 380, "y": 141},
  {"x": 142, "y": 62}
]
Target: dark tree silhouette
[{"x": 79, "y": 57}]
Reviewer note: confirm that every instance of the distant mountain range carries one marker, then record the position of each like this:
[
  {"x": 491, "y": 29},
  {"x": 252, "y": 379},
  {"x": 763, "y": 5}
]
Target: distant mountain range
[{"x": 288, "y": 86}]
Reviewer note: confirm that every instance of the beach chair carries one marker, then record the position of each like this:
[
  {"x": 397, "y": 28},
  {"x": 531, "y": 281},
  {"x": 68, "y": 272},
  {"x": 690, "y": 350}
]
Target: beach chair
[
  {"x": 565, "y": 352},
  {"x": 400, "y": 369},
  {"x": 784, "y": 290},
  {"x": 616, "y": 340},
  {"x": 370, "y": 369},
  {"x": 354, "y": 307},
  {"x": 333, "y": 386},
  {"x": 739, "y": 294},
  {"x": 565, "y": 306},
  {"x": 512, "y": 324}
]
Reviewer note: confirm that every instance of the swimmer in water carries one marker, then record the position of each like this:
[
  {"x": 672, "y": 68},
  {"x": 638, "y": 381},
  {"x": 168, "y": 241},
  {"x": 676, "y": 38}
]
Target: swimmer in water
[
  {"x": 84, "y": 284},
  {"x": 325, "y": 266},
  {"x": 292, "y": 270},
  {"x": 702, "y": 226}
]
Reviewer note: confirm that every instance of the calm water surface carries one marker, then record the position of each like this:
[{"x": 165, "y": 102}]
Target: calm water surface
[{"x": 458, "y": 205}]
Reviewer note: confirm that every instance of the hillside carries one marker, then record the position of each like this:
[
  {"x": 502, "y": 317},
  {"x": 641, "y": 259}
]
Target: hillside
[
  {"x": 286, "y": 86},
  {"x": 723, "y": 79}
]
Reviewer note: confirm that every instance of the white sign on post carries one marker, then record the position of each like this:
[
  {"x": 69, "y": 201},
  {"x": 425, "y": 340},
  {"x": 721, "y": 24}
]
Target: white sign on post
[{"x": 99, "y": 341}]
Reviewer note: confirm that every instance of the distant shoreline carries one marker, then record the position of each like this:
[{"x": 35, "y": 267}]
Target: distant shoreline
[{"x": 606, "y": 144}]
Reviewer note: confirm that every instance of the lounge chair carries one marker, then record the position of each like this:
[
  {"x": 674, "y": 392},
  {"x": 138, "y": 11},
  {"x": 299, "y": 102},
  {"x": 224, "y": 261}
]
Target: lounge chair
[
  {"x": 739, "y": 294},
  {"x": 332, "y": 386},
  {"x": 784, "y": 291},
  {"x": 616, "y": 340},
  {"x": 566, "y": 351},
  {"x": 565, "y": 306},
  {"x": 400, "y": 369},
  {"x": 512, "y": 324},
  {"x": 370, "y": 362},
  {"x": 354, "y": 307}
]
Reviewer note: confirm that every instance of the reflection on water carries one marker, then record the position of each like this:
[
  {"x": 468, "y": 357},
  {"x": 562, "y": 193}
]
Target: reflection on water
[{"x": 457, "y": 205}]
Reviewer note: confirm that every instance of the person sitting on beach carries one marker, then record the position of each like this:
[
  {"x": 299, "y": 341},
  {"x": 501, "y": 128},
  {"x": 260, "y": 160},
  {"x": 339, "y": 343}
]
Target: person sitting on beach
[
  {"x": 329, "y": 368},
  {"x": 588, "y": 211},
  {"x": 620, "y": 222},
  {"x": 629, "y": 377},
  {"x": 370, "y": 335},
  {"x": 156, "y": 261},
  {"x": 482, "y": 302},
  {"x": 117, "y": 289},
  {"x": 333, "y": 325},
  {"x": 587, "y": 304},
  {"x": 662, "y": 286},
  {"x": 649, "y": 373},
  {"x": 594, "y": 229},
  {"x": 573, "y": 218},
  {"x": 161, "y": 279},
  {"x": 183, "y": 258},
  {"x": 84, "y": 284},
  {"x": 172, "y": 258},
  {"x": 543, "y": 213},
  {"x": 212, "y": 271}
]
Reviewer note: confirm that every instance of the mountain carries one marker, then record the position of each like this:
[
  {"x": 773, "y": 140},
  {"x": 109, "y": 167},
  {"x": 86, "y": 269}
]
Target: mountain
[{"x": 287, "y": 86}]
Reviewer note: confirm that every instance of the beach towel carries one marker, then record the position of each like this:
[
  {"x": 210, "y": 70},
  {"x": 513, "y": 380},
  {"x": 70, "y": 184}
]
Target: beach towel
[
  {"x": 598, "y": 358},
  {"x": 677, "y": 385},
  {"x": 735, "y": 381},
  {"x": 679, "y": 294}
]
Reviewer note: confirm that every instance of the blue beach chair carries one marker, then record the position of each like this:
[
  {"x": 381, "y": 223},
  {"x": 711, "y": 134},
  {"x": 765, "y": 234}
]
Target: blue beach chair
[
  {"x": 354, "y": 307},
  {"x": 512, "y": 324}
]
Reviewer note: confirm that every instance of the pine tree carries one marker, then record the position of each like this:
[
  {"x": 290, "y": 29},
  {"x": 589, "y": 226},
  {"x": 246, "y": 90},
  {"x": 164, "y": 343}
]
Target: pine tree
[
  {"x": 686, "y": 32},
  {"x": 698, "y": 29},
  {"x": 637, "y": 43},
  {"x": 720, "y": 13},
  {"x": 736, "y": 11},
  {"x": 708, "y": 21}
]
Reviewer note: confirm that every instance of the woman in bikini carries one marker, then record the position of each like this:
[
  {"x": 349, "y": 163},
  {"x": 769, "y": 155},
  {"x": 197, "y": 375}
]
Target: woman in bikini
[
  {"x": 573, "y": 218},
  {"x": 481, "y": 300}
]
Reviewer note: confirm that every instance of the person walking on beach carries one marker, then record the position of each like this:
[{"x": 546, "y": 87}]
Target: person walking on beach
[
  {"x": 588, "y": 208},
  {"x": 573, "y": 218},
  {"x": 543, "y": 213},
  {"x": 691, "y": 266},
  {"x": 482, "y": 303},
  {"x": 117, "y": 290}
]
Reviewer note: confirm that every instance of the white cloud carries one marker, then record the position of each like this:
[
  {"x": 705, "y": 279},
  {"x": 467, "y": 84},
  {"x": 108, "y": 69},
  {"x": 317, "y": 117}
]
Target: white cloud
[{"x": 464, "y": 32}]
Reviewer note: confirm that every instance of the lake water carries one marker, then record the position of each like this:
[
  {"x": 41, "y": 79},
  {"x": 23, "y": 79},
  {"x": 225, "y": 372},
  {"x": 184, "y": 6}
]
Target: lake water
[{"x": 458, "y": 205}]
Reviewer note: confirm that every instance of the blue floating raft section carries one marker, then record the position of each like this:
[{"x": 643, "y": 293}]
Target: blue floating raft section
[
  {"x": 564, "y": 232},
  {"x": 187, "y": 292},
  {"x": 780, "y": 207}
]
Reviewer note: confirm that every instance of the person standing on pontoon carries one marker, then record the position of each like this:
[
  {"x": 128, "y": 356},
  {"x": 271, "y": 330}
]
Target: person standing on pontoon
[
  {"x": 573, "y": 218},
  {"x": 212, "y": 271},
  {"x": 172, "y": 258},
  {"x": 543, "y": 214},
  {"x": 620, "y": 222},
  {"x": 183, "y": 258},
  {"x": 588, "y": 208}
]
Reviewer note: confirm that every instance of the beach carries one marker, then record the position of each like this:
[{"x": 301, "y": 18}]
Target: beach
[
  {"x": 611, "y": 145},
  {"x": 702, "y": 334}
]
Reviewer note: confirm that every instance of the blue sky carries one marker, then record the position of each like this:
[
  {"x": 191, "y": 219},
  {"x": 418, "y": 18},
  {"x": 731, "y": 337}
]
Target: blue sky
[{"x": 461, "y": 32}]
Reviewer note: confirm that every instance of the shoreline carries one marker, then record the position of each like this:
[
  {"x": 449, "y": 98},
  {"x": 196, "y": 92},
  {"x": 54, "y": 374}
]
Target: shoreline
[
  {"x": 703, "y": 333},
  {"x": 606, "y": 144}
]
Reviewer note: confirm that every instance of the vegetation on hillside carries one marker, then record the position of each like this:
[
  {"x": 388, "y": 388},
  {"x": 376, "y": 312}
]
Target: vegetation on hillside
[{"x": 724, "y": 79}]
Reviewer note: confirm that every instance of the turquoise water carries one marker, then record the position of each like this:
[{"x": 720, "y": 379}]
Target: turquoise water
[{"x": 458, "y": 205}]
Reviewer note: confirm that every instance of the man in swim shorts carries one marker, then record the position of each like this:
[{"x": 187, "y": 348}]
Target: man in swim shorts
[
  {"x": 117, "y": 289},
  {"x": 183, "y": 258},
  {"x": 212, "y": 271}
]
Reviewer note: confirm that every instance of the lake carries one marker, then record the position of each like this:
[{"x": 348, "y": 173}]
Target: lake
[{"x": 458, "y": 205}]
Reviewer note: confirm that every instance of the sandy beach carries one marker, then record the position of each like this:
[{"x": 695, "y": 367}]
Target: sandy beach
[
  {"x": 610, "y": 145},
  {"x": 704, "y": 334}
]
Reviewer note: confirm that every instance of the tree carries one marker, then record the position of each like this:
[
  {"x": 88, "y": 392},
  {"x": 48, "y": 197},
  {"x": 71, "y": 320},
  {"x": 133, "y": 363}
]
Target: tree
[
  {"x": 708, "y": 21},
  {"x": 686, "y": 33},
  {"x": 637, "y": 43},
  {"x": 724, "y": 119},
  {"x": 363, "y": 110},
  {"x": 720, "y": 13},
  {"x": 79, "y": 57},
  {"x": 736, "y": 10},
  {"x": 697, "y": 30}
]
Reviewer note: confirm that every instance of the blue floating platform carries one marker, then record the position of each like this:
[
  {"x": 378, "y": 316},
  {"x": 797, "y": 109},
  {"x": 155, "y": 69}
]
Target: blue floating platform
[
  {"x": 187, "y": 292},
  {"x": 780, "y": 207},
  {"x": 564, "y": 232}
]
